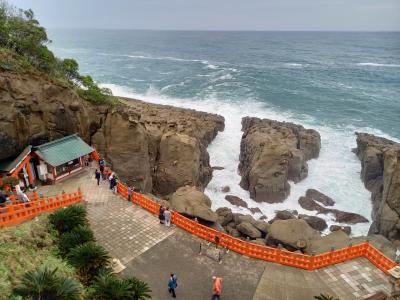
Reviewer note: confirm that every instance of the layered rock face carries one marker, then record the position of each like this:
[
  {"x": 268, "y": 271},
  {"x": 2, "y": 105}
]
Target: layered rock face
[
  {"x": 166, "y": 146},
  {"x": 380, "y": 172},
  {"x": 271, "y": 153},
  {"x": 156, "y": 148},
  {"x": 35, "y": 110}
]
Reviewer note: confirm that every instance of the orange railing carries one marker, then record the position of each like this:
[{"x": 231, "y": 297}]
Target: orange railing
[
  {"x": 14, "y": 214},
  {"x": 281, "y": 256}
]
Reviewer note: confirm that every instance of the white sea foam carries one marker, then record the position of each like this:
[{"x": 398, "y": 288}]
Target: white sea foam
[
  {"x": 293, "y": 65},
  {"x": 336, "y": 172},
  {"x": 370, "y": 64},
  {"x": 211, "y": 66}
]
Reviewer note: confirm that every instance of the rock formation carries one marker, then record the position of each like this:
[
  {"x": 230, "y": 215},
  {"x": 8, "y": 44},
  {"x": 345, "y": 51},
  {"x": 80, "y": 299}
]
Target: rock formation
[
  {"x": 380, "y": 172},
  {"x": 191, "y": 202},
  {"x": 340, "y": 216},
  {"x": 291, "y": 233},
  {"x": 271, "y": 153},
  {"x": 154, "y": 147}
]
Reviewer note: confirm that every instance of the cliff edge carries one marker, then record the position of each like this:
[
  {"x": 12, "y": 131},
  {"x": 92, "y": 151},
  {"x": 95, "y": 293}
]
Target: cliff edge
[
  {"x": 154, "y": 147},
  {"x": 380, "y": 172},
  {"x": 271, "y": 153}
]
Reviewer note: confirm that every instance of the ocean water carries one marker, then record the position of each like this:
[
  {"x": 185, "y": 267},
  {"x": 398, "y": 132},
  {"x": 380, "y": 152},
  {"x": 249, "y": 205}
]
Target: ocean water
[{"x": 337, "y": 83}]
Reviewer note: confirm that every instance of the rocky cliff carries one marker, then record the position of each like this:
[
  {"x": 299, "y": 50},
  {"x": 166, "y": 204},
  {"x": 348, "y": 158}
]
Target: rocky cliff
[
  {"x": 156, "y": 148},
  {"x": 271, "y": 153},
  {"x": 380, "y": 172}
]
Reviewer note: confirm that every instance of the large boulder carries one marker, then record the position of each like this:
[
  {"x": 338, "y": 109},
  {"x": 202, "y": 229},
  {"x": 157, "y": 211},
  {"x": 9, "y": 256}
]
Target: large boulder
[
  {"x": 225, "y": 215},
  {"x": 191, "y": 202},
  {"x": 380, "y": 172},
  {"x": 271, "y": 154},
  {"x": 315, "y": 222},
  {"x": 336, "y": 240},
  {"x": 234, "y": 200},
  {"x": 319, "y": 197},
  {"x": 345, "y": 229},
  {"x": 262, "y": 226},
  {"x": 285, "y": 215},
  {"x": 248, "y": 229},
  {"x": 340, "y": 216},
  {"x": 292, "y": 232}
]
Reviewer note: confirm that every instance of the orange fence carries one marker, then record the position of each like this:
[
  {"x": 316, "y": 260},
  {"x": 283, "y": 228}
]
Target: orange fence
[
  {"x": 281, "y": 256},
  {"x": 276, "y": 255},
  {"x": 17, "y": 213}
]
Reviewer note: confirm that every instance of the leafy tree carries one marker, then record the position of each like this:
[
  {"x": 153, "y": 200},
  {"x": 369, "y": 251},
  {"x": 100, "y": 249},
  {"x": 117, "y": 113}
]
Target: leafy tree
[
  {"x": 22, "y": 33},
  {"x": 70, "y": 68},
  {"x": 45, "y": 284},
  {"x": 89, "y": 259}
]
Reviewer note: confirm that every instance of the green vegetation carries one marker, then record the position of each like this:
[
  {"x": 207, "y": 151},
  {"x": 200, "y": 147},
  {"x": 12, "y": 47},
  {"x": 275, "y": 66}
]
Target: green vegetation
[
  {"x": 77, "y": 236},
  {"x": 64, "y": 220},
  {"x": 46, "y": 284},
  {"x": 24, "y": 248},
  {"x": 108, "y": 287},
  {"x": 88, "y": 259},
  {"x": 325, "y": 297},
  {"x": 23, "y": 48},
  {"x": 47, "y": 257}
]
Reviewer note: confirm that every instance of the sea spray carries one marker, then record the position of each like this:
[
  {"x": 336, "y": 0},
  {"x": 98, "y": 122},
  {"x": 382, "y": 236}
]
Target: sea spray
[{"x": 336, "y": 172}]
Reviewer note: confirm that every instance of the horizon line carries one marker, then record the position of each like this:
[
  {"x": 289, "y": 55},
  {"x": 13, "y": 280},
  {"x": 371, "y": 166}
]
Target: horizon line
[{"x": 223, "y": 30}]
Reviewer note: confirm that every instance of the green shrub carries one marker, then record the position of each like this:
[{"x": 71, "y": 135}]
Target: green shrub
[
  {"x": 88, "y": 259},
  {"x": 324, "y": 297},
  {"x": 44, "y": 284},
  {"x": 64, "y": 220},
  {"x": 77, "y": 236},
  {"x": 141, "y": 290},
  {"x": 108, "y": 286}
]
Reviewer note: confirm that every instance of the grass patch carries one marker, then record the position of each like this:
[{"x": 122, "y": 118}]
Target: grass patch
[{"x": 25, "y": 247}]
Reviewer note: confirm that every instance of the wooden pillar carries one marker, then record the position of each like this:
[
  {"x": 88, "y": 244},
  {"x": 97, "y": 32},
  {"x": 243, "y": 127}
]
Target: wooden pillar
[
  {"x": 54, "y": 174},
  {"x": 29, "y": 170}
]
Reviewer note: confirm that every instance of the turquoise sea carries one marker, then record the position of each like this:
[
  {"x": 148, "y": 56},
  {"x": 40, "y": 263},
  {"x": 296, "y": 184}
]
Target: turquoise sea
[{"x": 334, "y": 82}]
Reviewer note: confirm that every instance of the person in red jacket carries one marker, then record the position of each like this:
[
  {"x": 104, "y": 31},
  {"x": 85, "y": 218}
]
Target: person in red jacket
[{"x": 217, "y": 287}]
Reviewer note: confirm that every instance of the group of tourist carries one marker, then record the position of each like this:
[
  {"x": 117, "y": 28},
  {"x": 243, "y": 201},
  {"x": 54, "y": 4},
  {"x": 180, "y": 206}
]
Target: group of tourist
[
  {"x": 165, "y": 218},
  {"x": 102, "y": 175},
  {"x": 217, "y": 286}
]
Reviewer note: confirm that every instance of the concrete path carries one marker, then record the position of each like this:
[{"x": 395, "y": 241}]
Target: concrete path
[{"x": 151, "y": 251}]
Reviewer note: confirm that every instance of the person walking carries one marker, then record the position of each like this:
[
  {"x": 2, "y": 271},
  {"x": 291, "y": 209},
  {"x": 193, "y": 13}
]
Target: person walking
[
  {"x": 115, "y": 184},
  {"x": 161, "y": 214},
  {"x": 130, "y": 193},
  {"x": 217, "y": 288},
  {"x": 101, "y": 164},
  {"x": 111, "y": 181},
  {"x": 97, "y": 175},
  {"x": 167, "y": 217},
  {"x": 172, "y": 285}
]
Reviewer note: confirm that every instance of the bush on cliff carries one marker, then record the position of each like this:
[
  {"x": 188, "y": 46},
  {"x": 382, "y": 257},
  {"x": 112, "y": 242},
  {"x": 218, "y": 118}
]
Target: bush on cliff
[{"x": 22, "y": 35}]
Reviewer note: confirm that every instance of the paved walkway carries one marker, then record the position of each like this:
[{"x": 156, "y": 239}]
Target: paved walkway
[{"x": 151, "y": 251}]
